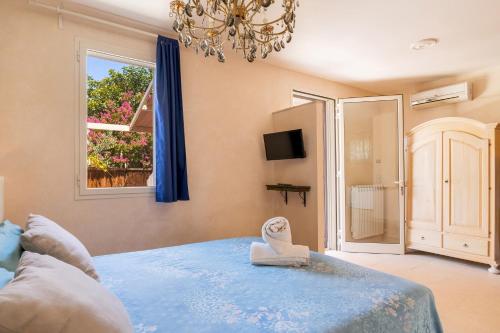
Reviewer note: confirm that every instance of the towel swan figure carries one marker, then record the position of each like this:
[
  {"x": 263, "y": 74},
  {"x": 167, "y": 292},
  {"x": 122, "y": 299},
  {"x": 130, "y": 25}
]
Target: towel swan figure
[{"x": 278, "y": 249}]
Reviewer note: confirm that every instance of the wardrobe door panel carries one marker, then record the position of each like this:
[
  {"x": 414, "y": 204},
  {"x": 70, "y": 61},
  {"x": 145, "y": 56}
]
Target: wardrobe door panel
[
  {"x": 465, "y": 184},
  {"x": 424, "y": 182}
]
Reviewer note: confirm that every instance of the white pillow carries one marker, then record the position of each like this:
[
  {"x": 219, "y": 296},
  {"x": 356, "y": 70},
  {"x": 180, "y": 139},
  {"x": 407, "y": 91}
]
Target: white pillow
[
  {"x": 44, "y": 236},
  {"x": 48, "y": 295}
]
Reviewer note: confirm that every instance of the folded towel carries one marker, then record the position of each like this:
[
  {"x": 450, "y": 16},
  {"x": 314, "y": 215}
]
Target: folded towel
[
  {"x": 263, "y": 254},
  {"x": 279, "y": 249},
  {"x": 276, "y": 232}
]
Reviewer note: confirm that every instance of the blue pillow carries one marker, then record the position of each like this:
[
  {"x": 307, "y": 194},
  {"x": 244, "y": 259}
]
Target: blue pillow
[
  {"x": 5, "y": 277},
  {"x": 10, "y": 245}
]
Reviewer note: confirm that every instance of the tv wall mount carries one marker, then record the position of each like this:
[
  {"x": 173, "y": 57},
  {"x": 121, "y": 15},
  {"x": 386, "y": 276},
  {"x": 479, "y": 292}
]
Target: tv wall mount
[{"x": 285, "y": 188}]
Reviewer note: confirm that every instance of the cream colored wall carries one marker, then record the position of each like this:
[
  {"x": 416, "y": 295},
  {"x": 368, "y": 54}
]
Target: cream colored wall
[
  {"x": 307, "y": 223},
  {"x": 484, "y": 107},
  {"x": 227, "y": 108}
]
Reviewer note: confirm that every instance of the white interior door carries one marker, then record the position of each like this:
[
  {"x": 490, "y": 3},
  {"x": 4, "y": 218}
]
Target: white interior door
[{"x": 371, "y": 176}]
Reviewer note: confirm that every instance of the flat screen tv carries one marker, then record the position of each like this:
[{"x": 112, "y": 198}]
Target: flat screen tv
[{"x": 284, "y": 145}]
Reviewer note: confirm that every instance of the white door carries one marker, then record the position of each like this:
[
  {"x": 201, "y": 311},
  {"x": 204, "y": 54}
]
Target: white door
[{"x": 371, "y": 177}]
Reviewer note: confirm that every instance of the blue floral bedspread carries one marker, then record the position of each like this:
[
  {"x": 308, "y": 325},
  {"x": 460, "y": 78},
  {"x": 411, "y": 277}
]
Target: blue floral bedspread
[{"x": 212, "y": 287}]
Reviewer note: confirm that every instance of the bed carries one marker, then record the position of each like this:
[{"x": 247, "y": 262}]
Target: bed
[{"x": 212, "y": 287}]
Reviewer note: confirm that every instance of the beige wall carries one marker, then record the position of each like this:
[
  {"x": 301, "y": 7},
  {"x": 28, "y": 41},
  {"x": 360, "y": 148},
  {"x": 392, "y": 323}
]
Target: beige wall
[
  {"x": 484, "y": 107},
  {"x": 307, "y": 223},
  {"x": 227, "y": 108}
]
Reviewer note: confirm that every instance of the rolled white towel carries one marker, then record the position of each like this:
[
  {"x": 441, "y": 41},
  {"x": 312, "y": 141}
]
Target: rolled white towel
[
  {"x": 278, "y": 249},
  {"x": 263, "y": 254},
  {"x": 276, "y": 232}
]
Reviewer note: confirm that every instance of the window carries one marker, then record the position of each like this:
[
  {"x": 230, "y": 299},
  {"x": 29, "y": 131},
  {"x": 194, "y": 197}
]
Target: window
[
  {"x": 359, "y": 147},
  {"x": 116, "y": 125}
]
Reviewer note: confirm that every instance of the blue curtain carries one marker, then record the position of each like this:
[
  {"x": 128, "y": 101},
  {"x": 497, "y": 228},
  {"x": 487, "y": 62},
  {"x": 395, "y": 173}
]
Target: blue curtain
[{"x": 171, "y": 167}]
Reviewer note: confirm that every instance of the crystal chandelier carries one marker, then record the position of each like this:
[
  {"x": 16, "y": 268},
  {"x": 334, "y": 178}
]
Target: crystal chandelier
[{"x": 208, "y": 25}]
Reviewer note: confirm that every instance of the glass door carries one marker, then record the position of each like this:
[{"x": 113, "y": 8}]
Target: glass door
[{"x": 371, "y": 180}]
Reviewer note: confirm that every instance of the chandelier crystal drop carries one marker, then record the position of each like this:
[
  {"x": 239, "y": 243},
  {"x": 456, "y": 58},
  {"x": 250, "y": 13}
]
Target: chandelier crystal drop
[{"x": 208, "y": 25}]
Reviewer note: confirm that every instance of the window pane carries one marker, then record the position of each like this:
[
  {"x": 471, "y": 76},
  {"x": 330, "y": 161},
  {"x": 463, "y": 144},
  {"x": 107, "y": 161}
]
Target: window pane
[
  {"x": 371, "y": 172},
  {"x": 119, "y": 124}
]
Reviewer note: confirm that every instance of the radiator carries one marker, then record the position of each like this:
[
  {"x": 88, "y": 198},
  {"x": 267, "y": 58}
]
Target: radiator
[{"x": 367, "y": 211}]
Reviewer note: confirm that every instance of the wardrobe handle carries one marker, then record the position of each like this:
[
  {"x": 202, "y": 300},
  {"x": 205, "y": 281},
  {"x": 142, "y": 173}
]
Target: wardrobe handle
[
  {"x": 466, "y": 245},
  {"x": 422, "y": 238},
  {"x": 446, "y": 181}
]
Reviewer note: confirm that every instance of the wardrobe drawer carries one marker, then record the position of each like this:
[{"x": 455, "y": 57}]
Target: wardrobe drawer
[
  {"x": 466, "y": 244},
  {"x": 424, "y": 237}
]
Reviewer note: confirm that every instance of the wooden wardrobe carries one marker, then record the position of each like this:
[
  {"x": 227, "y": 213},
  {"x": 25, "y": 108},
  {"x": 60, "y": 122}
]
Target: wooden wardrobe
[{"x": 453, "y": 179}]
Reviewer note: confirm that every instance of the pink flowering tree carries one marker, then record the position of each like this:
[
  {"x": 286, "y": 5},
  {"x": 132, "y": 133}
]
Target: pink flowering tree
[{"x": 114, "y": 100}]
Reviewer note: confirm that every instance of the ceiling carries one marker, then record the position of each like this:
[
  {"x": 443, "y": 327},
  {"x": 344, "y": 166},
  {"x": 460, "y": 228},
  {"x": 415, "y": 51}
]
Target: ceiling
[{"x": 363, "y": 42}]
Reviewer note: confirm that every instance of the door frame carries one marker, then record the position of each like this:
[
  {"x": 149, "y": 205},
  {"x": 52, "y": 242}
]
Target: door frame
[
  {"x": 329, "y": 136},
  {"x": 370, "y": 247}
]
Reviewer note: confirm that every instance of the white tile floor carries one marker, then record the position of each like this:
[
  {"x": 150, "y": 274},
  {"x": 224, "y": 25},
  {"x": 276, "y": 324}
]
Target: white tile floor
[{"x": 467, "y": 296}]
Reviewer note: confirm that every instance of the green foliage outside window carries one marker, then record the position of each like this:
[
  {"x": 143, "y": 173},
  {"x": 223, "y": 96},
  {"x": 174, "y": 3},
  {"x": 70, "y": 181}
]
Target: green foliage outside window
[{"x": 114, "y": 100}]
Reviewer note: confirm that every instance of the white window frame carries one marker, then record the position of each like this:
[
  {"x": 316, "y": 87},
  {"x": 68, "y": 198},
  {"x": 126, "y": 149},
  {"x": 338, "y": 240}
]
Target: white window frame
[{"x": 105, "y": 51}]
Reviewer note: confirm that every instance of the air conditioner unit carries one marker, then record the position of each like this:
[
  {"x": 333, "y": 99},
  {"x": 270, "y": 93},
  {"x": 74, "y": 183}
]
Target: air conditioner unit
[{"x": 450, "y": 94}]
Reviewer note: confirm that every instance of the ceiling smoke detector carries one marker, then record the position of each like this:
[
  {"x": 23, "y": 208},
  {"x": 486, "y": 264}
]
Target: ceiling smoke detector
[{"x": 424, "y": 44}]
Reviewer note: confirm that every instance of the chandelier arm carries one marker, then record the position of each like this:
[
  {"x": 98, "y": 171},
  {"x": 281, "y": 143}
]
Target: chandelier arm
[
  {"x": 258, "y": 33},
  {"x": 194, "y": 29},
  {"x": 194, "y": 36},
  {"x": 256, "y": 10},
  {"x": 272, "y": 37},
  {"x": 269, "y": 23},
  {"x": 205, "y": 28},
  {"x": 226, "y": 9},
  {"x": 213, "y": 18},
  {"x": 212, "y": 42},
  {"x": 276, "y": 34},
  {"x": 219, "y": 33},
  {"x": 223, "y": 8},
  {"x": 249, "y": 4},
  {"x": 263, "y": 41}
]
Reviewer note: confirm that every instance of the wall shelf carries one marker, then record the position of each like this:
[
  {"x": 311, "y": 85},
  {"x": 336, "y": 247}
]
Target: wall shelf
[{"x": 285, "y": 188}]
